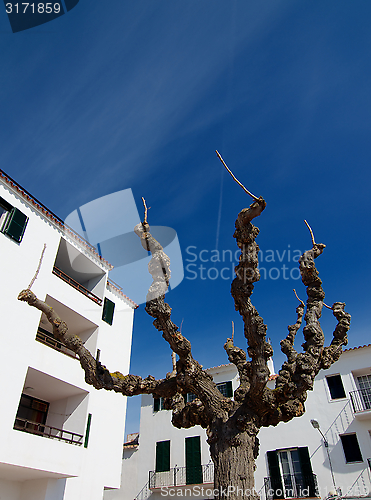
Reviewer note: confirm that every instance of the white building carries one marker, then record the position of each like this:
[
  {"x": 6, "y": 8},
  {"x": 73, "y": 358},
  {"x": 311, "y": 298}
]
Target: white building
[
  {"x": 294, "y": 461},
  {"x": 59, "y": 437},
  {"x": 341, "y": 404}
]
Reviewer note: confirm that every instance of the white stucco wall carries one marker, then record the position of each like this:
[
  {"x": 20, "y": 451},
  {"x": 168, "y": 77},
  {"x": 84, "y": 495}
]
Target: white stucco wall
[
  {"x": 335, "y": 417},
  {"x": 33, "y": 463}
]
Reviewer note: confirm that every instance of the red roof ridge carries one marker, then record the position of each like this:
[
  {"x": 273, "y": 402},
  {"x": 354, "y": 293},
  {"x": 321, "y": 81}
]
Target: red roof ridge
[
  {"x": 359, "y": 347},
  {"x": 117, "y": 288},
  {"x": 71, "y": 232}
]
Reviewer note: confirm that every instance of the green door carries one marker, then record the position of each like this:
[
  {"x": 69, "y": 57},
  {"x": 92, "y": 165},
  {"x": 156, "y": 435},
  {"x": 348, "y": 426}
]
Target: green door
[
  {"x": 193, "y": 460},
  {"x": 162, "y": 456}
]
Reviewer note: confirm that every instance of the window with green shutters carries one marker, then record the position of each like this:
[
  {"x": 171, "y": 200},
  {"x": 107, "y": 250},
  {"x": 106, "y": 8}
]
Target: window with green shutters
[
  {"x": 290, "y": 473},
  {"x": 226, "y": 388},
  {"x": 162, "y": 456},
  {"x": 108, "y": 310},
  {"x": 275, "y": 474},
  {"x": 13, "y": 221},
  {"x": 193, "y": 460},
  {"x": 158, "y": 404}
]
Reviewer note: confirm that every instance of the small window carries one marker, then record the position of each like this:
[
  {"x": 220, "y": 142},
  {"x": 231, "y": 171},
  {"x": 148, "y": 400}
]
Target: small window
[
  {"x": 31, "y": 415},
  {"x": 226, "y": 388},
  {"x": 158, "y": 404},
  {"x": 351, "y": 448},
  {"x": 108, "y": 310},
  {"x": 13, "y": 222},
  {"x": 5, "y": 208},
  {"x": 190, "y": 397},
  {"x": 162, "y": 456},
  {"x": 336, "y": 387}
]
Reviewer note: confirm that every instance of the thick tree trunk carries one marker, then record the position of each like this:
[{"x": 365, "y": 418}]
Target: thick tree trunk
[{"x": 233, "y": 454}]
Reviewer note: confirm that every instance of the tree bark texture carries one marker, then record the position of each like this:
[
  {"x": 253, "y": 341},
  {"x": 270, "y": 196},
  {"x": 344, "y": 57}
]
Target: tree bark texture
[{"x": 232, "y": 425}]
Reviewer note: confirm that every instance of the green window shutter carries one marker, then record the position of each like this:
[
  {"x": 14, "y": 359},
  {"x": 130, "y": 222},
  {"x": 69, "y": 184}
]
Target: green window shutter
[
  {"x": 193, "y": 460},
  {"x": 229, "y": 388},
  {"x": 275, "y": 474},
  {"x": 156, "y": 404},
  {"x": 16, "y": 224},
  {"x": 162, "y": 456},
  {"x": 108, "y": 310},
  {"x": 306, "y": 468},
  {"x": 87, "y": 433}
]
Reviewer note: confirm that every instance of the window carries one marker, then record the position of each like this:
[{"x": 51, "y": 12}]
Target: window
[
  {"x": 108, "y": 310},
  {"x": 158, "y": 404},
  {"x": 5, "y": 208},
  {"x": 226, "y": 388},
  {"x": 190, "y": 397},
  {"x": 193, "y": 460},
  {"x": 335, "y": 386},
  {"x": 351, "y": 448},
  {"x": 13, "y": 222},
  {"x": 31, "y": 413},
  {"x": 290, "y": 473},
  {"x": 364, "y": 384},
  {"x": 162, "y": 456}
]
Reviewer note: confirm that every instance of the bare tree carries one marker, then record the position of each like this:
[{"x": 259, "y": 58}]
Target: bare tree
[{"x": 232, "y": 425}]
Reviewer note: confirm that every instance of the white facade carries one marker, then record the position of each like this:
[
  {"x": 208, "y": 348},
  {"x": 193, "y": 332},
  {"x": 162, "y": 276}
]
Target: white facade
[
  {"x": 335, "y": 414},
  {"x": 155, "y": 426},
  {"x": 342, "y": 423},
  {"x": 43, "y": 391}
]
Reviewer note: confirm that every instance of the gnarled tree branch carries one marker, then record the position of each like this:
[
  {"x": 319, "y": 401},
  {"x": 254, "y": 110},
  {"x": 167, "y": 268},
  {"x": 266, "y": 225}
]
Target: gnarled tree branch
[
  {"x": 242, "y": 286},
  {"x": 190, "y": 377},
  {"x": 97, "y": 374}
]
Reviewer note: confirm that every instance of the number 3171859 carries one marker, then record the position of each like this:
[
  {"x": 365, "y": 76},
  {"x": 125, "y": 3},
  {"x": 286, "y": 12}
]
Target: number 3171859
[{"x": 34, "y": 8}]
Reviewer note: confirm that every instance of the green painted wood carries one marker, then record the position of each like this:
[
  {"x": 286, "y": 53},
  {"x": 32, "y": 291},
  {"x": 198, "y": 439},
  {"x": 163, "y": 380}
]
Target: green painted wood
[
  {"x": 87, "y": 433},
  {"x": 16, "y": 224},
  {"x": 193, "y": 460},
  {"x": 108, "y": 310},
  {"x": 162, "y": 456},
  {"x": 275, "y": 474}
]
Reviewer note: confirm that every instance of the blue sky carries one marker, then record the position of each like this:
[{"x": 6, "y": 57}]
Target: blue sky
[{"x": 139, "y": 95}]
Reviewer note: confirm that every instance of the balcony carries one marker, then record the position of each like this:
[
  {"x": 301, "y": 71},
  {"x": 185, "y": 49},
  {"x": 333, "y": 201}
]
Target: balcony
[
  {"x": 77, "y": 325},
  {"x": 47, "y": 338},
  {"x": 80, "y": 271},
  {"x": 291, "y": 486},
  {"x": 44, "y": 430},
  {"x": 361, "y": 403},
  {"x": 63, "y": 276},
  {"x": 51, "y": 408},
  {"x": 181, "y": 476}
]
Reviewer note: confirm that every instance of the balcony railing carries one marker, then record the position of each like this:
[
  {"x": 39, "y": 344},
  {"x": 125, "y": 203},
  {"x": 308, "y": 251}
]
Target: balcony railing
[
  {"x": 361, "y": 400},
  {"x": 47, "y": 431},
  {"x": 63, "y": 276},
  {"x": 45, "y": 338},
  {"x": 180, "y": 476},
  {"x": 291, "y": 486}
]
